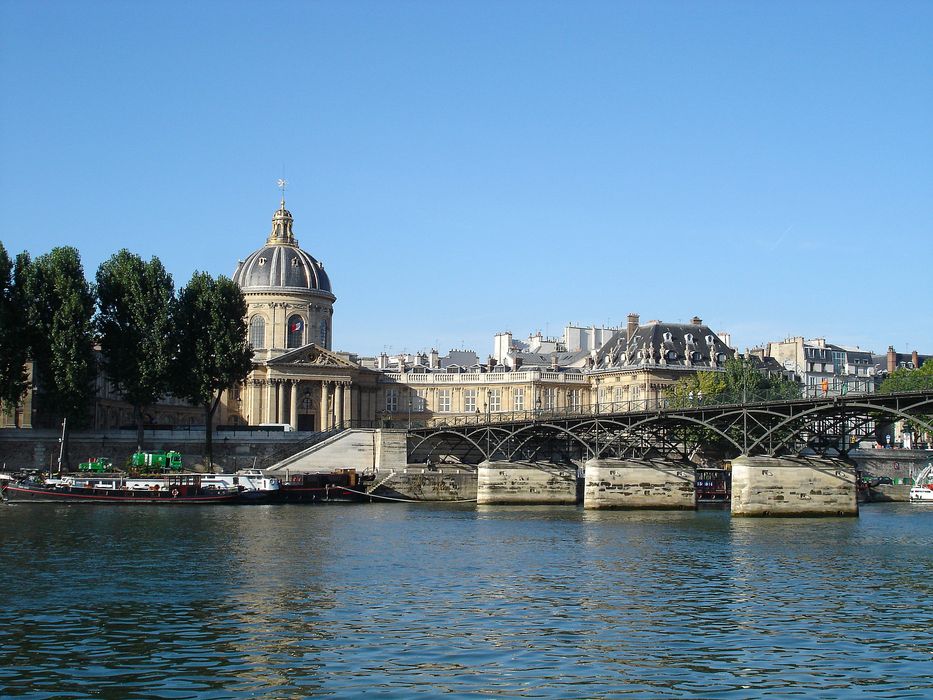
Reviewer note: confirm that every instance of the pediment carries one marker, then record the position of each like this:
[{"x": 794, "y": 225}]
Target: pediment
[{"x": 311, "y": 356}]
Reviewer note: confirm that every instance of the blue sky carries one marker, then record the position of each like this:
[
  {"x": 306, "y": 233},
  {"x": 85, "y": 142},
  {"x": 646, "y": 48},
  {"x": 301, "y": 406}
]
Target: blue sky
[{"x": 463, "y": 168}]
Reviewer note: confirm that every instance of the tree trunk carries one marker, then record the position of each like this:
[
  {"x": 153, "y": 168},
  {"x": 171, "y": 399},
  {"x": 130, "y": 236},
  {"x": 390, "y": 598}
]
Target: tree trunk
[
  {"x": 138, "y": 417},
  {"x": 208, "y": 438},
  {"x": 209, "y": 410}
]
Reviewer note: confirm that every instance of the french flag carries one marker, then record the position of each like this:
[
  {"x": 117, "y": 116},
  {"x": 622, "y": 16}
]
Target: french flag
[{"x": 296, "y": 326}]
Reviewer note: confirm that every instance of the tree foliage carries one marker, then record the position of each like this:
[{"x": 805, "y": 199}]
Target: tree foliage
[
  {"x": 60, "y": 318},
  {"x": 14, "y": 340},
  {"x": 904, "y": 379},
  {"x": 740, "y": 381},
  {"x": 211, "y": 352},
  {"x": 134, "y": 301}
]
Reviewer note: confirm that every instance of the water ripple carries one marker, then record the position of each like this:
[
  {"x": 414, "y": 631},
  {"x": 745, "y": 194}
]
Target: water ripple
[{"x": 292, "y": 602}]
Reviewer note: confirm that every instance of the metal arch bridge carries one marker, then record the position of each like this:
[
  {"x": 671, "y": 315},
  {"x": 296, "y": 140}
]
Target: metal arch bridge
[{"x": 821, "y": 426}]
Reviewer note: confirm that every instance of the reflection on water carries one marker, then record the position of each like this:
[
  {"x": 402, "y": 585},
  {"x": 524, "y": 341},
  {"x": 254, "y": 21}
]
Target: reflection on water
[{"x": 297, "y": 601}]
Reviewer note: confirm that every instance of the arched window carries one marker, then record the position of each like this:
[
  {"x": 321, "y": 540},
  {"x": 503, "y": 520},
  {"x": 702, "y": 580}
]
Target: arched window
[
  {"x": 323, "y": 333},
  {"x": 257, "y": 332},
  {"x": 296, "y": 332}
]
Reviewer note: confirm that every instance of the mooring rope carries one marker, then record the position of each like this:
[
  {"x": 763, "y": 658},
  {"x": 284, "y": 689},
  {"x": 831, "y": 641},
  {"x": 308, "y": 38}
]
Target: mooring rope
[{"x": 402, "y": 500}]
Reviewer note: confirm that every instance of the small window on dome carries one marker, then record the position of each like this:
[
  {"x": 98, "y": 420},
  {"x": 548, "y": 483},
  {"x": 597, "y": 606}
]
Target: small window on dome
[
  {"x": 295, "y": 337},
  {"x": 262, "y": 261},
  {"x": 294, "y": 262}
]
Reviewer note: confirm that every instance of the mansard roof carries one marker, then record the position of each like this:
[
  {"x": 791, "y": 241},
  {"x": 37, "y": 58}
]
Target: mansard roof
[{"x": 660, "y": 344}]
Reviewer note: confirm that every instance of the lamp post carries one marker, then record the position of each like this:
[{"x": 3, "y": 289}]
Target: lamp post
[
  {"x": 486, "y": 408},
  {"x": 409, "y": 408}
]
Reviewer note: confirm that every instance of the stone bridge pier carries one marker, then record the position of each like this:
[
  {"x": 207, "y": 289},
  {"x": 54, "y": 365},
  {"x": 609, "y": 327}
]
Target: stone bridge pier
[
  {"x": 639, "y": 484},
  {"x": 526, "y": 483},
  {"x": 793, "y": 486}
]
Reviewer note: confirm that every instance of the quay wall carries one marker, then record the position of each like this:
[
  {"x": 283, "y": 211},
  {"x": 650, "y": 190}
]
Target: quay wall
[
  {"x": 896, "y": 464},
  {"x": 793, "y": 486},
  {"x": 38, "y": 449},
  {"x": 639, "y": 484},
  {"x": 526, "y": 483}
]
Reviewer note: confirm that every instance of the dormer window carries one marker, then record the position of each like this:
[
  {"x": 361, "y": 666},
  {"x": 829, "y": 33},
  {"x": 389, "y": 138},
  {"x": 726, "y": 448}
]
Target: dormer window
[
  {"x": 671, "y": 354},
  {"x": 294, "y": 262},
  {"x": 667, "y": 336},
  {"x": 709, "y": 340},
  {"x": 262, "y": 261},
  {"x": 688, "y": 337},
  {"x": 695, "y": 356}
]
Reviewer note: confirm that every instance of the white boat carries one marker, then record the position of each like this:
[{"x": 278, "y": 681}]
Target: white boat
[
  {"x": 253, "y": 484},
  {"x": 922, "y": 490}
]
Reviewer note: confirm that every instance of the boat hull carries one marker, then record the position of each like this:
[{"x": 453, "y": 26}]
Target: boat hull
[{"x": 22, "y": 493}]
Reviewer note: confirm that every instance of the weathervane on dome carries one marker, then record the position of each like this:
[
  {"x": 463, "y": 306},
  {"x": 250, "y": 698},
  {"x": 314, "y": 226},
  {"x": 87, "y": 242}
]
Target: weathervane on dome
[{"x": 282, "y": 184}]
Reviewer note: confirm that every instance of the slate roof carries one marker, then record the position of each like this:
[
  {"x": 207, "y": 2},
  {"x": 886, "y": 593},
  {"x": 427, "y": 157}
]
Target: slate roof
[{"x": 665, "y": 344}]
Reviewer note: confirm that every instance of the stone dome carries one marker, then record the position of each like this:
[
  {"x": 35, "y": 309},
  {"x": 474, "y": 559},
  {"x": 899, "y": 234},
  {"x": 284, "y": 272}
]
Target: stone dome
[{"x": 281, "y": 264}]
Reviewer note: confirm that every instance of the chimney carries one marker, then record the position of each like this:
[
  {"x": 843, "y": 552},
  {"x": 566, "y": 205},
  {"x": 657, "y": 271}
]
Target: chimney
[
  {"x": 915, "y": 358},
  {"x": 892, "y": 359},
  {"x": 632, "y": 325},
  {"x": 492, "y": 363},
  {"x": 554, "y": 365},
  {"x": 516, "y": 362},
  {"x": 696, "y": 321},
  {"x": 435, "y": 359}
]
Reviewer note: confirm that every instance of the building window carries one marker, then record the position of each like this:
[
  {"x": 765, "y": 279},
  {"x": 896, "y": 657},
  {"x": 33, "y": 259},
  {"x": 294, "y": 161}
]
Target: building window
[
  {"x": 392, "y": 400},
  {"x": 257, "y": 332},
  {"x": 469, "y": 401},
  {"x": 443, "y": 400},
  {"x": 421, "y": 400},
  {"x": 573, "y": 399},
  {"x": 617, "y": 395},
  {"x": 323, "y": 333},
  {"x": 296, "y": 327},
  {"x": 518, "y": 399},
  {"x": 495, "y": 400},
  {"x": 550, "y": 398}
]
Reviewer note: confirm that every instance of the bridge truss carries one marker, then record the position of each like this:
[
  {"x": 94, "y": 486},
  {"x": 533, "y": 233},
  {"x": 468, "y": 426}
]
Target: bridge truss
[{"x": 826, "y": 427}]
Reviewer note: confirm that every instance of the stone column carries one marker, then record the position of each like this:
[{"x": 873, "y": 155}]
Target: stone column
[
  {"x": 280, "y": 417},
  {"x": 268, "y": 409},
  {"x": 355, "y": 405},
  {"x": 338, "y": 405},
  {"x": 294, "y": 405},
  {"x": 325, "y": 405},
  {"x": 251, "y": 389}
]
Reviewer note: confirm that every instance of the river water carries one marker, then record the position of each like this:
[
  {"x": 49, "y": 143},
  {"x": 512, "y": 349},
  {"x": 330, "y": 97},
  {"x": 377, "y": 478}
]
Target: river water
[{"x": 399, "y": 600}]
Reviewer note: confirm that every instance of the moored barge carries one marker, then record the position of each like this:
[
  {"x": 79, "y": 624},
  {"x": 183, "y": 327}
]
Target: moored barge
[{"x": 174, "y": 489}]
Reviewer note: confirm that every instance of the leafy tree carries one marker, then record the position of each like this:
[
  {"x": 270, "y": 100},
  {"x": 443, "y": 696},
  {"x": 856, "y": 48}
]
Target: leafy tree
[
  {"x": 14, "y": 338},
  {"x": 739, "y": 382},
  {"x": 134, "y": 300},
  {"x": 696, "y": 389},
  {"x": 211, "y": 352},
  {"x": 903, "y": 379},
  {"x": 60, "y": 314}
]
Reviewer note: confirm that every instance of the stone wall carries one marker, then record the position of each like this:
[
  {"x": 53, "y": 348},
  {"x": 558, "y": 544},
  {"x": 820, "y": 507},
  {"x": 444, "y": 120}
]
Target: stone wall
[
  {"x": 633, "y": 484},
  {"x": 896, "y": 464},
  {"x": 38, "y": 449}
]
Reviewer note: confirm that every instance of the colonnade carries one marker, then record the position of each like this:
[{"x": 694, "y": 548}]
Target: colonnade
[{"x": 331, "y": 402}]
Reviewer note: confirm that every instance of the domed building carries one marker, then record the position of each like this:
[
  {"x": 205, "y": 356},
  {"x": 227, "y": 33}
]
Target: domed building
[
  {"x": 297, "y": 380},
  {"x": 287, "y": 292}
]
